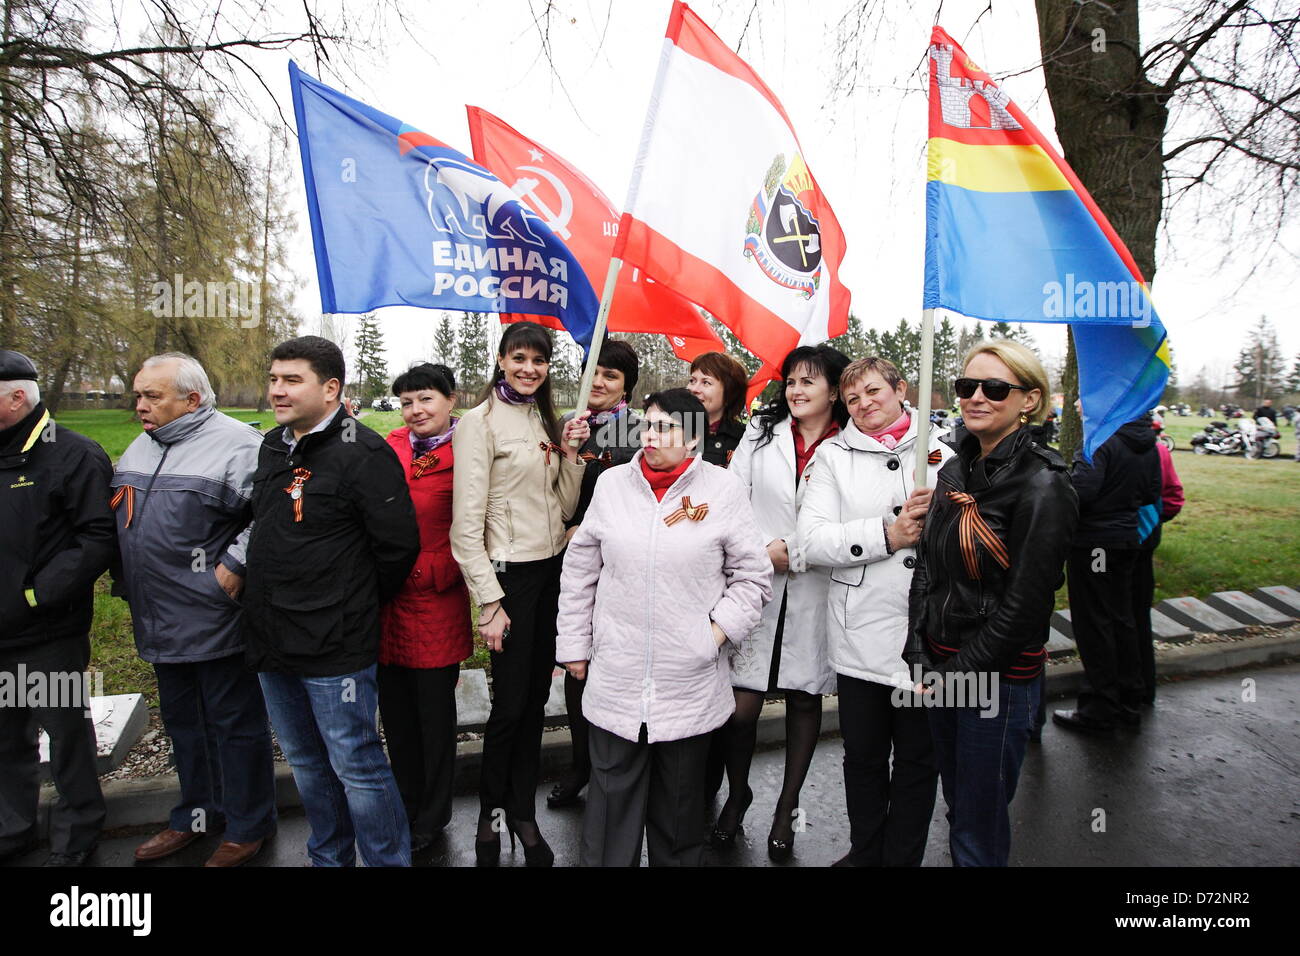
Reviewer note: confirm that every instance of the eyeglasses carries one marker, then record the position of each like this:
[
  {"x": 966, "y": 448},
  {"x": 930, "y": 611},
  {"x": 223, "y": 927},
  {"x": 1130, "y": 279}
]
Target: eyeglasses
[
  {"x": 995, "y": 390},
  {"x": 661, "y": 426}
]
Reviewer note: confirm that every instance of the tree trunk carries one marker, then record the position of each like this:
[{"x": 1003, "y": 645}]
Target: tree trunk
[
  {"x": 8, "y": 216},
  {"x": 1110, "y": 120}
]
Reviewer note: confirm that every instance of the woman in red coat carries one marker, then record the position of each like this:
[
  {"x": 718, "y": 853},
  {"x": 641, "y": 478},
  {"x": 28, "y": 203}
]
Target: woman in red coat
[{"x": 426, "y": 628}]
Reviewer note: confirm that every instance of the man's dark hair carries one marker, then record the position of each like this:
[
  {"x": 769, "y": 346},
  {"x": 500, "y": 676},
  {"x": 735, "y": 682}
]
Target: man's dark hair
[
  {"x": 617, "y": 354},
  {"x": 324, "y": 357},
  {"x": 426, "y": 375},
  {"x": 681, "y": 406}
]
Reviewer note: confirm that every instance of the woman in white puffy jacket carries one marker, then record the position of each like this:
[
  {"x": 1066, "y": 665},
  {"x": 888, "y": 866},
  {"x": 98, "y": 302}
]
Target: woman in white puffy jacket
[
  {"x": 861, "y": 517},
  {"x": 666, "y": 568},
  {"x": 787, "y": 651}
]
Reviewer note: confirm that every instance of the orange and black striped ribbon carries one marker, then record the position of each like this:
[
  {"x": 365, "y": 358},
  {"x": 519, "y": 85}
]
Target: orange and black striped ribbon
[
  {"x": 548, "y": 447},
  {"x": 971, "y": 527},
  {"x": 300, "y": 476},
  {"x": 422, "y": 464},
  {"x": 605, "y": 459},
  {"x": 688, "y": 511},
  {"x": 126, "y": 492},
  {"x": 936, "y": 456}
]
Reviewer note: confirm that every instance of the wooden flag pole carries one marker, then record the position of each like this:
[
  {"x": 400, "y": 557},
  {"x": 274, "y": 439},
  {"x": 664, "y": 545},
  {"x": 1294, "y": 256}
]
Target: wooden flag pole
[
  {"x": 597, "y": 336},
  {"x": 925, "y": 389},
  {"x": 616, "y": 261}
]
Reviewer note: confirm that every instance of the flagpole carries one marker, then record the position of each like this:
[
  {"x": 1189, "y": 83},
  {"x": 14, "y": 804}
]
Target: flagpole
[
  {"x": 616, "y": 260},
  {"x": 925, "y": 389},
  {"x": 597, "y": 336}
]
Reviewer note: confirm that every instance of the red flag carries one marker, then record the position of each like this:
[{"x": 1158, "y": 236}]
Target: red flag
[
  {"x": 724, "y": 204},
  {"x": 582, "y": 216}
]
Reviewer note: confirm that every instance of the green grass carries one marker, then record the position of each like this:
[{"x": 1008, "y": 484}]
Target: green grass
[{"x": 115, "y": 428}]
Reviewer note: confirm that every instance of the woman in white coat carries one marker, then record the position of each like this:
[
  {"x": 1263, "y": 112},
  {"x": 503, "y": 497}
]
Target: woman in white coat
[
  {"x": 787, "y": 651},
  {"x": 861, "y": 518}
]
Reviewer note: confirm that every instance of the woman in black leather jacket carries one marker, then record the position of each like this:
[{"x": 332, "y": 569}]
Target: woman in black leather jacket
[{"x": 989, "y": 562}]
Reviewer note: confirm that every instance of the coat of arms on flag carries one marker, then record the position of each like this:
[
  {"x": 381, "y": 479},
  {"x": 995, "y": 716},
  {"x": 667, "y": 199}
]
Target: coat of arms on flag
[{"x": 783, "y": 238}]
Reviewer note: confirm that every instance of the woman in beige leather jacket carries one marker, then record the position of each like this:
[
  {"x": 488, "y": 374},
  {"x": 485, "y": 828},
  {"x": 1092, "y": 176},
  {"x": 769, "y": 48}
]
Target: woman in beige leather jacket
[{"x": 516, "y": 480}]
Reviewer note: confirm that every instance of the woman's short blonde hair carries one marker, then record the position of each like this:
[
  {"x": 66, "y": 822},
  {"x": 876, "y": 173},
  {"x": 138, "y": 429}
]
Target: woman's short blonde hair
[
  {"x": 859, "y": 369},
  {"x": 1024, "y": 364}
]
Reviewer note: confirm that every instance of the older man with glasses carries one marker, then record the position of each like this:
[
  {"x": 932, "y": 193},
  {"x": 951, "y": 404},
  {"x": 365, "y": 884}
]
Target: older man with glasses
[{"x": 182, "y": 493}]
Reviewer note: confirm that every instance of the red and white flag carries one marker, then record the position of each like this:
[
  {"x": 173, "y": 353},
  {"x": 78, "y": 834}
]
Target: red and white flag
[
  {"x": 581, "y": 215},
  {"x": 724, "y": 206}
]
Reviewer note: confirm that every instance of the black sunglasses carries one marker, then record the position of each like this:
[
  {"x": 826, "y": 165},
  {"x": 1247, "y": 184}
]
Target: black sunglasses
[{"x": 995, "y": 390}]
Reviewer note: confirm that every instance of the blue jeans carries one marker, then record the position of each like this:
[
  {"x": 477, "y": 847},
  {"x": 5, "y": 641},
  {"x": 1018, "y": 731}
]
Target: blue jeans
[
  {"x": 979, "y": 763},
  {"x": 327, "y": 730}
]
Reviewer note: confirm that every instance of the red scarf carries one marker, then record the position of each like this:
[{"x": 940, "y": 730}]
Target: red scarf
[
  {"x": 661, "y": 481},
  {"x": 894, "y": 432}
]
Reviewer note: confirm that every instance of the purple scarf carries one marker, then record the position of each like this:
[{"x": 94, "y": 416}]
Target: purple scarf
[
  {"x": 608, "y": 415},
  {"x": 422, "y": 446},
  {"x": 510, "y": 396}
]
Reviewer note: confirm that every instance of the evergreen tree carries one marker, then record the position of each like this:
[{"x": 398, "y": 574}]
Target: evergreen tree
[
  {"x": 372, "y": 368},
  {"x": 1293, "y": 383},
  {"x": 1172, "y": 391},
  {"x": 473, "y": 363},
  {"x": 1260, "y": 366},
  {"x": 902, "y": 346},
  {"x": 444, "y": 342},
  {"x": 946, "y": 357}
]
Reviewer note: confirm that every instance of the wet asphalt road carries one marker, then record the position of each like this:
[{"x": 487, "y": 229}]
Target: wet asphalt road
[{"x": 1211, "y": 779}]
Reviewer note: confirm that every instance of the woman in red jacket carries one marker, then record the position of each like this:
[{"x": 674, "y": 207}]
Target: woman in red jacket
[{"x": 426, "y": 628}]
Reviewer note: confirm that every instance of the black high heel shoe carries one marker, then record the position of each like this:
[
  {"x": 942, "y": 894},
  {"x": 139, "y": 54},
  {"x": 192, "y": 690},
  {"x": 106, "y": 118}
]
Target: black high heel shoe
[
  {"x": 779, "y": 849},
  {"x": 539, "y": 854},
  {"x": 722, "y": 838},
  {"x": 488, "y": 852},
  {"x": 565, "y": 794}
]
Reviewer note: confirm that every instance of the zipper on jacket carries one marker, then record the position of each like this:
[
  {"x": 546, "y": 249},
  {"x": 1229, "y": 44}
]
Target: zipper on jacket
[
  {"x": 510, "y": 526},
  {"x": 646, "y": 680}
]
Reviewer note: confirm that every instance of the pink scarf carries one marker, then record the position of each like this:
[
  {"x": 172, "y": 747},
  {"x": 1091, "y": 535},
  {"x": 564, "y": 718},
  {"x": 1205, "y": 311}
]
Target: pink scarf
[{"x": 891, "y": 435}]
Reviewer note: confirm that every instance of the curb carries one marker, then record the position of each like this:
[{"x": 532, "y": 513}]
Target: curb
[{"x": 148, "y": 801}]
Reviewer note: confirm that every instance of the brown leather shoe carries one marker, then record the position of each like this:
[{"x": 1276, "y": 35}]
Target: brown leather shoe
[
  {"x": 235, "y": 854},
  {"x": 165, "y": 844}
]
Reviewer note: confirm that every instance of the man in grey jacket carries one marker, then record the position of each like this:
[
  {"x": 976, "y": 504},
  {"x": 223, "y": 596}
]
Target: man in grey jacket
[{"x": 181, "y": 494}]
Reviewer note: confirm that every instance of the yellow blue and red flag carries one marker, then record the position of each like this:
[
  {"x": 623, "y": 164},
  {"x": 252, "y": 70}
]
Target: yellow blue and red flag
[{"x": 1012, "y": 235}]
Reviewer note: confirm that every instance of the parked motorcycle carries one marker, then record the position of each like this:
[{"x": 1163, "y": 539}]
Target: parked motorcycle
[
  {"x": 1261, "y": 438},
  {"x": 1218, "y": 439},
  {"x": 1162, "y": 436}
]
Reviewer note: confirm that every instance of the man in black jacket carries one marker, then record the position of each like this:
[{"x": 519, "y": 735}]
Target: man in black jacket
[
  {"x": 58, "y": 539},
  {"x": 334, "y": 537},
  {"x": 1101, "y": 570}
]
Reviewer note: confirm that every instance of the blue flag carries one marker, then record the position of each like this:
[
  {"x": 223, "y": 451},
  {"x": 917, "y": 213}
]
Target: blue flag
[{"x": 399, "y": 218}]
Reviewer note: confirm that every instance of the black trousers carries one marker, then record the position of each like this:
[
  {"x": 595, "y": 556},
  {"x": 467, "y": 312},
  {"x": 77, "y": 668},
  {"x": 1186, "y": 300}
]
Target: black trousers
[
  {"x": 578, "y": 728},
  {"x": 521, "y": 683},
  {"x": 644, "y": 788},
  {"x": 78, "y": 814},
  {"x": 1101, "y": 610},
  {"x": 889, "y": 813},
  {"x": 1144, "y": 594},
  {"x": 418, "y": 708},
  {"x": 215, "y": 714}
]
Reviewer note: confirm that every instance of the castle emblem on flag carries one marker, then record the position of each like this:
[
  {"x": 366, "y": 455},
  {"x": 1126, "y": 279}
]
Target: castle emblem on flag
[{"x": 782, "y": 237}]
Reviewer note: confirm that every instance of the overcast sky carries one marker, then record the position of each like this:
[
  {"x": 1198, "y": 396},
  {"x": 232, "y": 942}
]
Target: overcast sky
[{"x": 866, "y": 146}]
